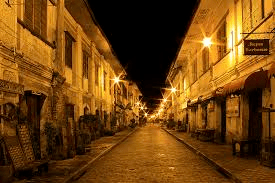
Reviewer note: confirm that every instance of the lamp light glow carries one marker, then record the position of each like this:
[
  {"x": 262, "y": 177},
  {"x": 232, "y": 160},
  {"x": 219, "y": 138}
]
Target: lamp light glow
[
  {"x": 207, "y": 41},
  {"x": 173, "y": 90},
  {"x": 116, "y": 79}
]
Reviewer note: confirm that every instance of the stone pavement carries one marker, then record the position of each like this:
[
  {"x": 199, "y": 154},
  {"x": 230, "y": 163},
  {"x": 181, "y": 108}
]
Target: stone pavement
[
  {"x": 65, "y": 170},
  {"x": 220, "y": 156}
]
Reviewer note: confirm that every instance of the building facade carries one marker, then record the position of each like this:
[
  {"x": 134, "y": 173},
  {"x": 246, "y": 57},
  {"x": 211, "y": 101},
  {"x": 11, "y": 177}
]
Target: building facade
[
  {"x": 57, "y": 66},
  {"x": 227, "y": 85}
]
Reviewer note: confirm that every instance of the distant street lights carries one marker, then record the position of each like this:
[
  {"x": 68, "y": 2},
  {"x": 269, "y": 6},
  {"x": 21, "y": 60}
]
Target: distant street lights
[{"x": 116, "y": 82}]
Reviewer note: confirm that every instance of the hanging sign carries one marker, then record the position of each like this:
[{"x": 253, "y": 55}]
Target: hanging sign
[{"x": 256, "y": 47}]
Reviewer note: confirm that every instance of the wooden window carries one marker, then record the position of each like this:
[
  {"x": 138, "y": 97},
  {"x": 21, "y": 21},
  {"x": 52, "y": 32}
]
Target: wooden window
[
  {"x": 105, "y": 81},
  {"x": 205, "y": 59},
  {"x": 222, "y": 40},
  {"x": 85, "y": 68},
  {"x": 195, "y": 72},
  {"x": 253, "y": 12},
  {"x": 124, "y": 90},
  {"x": 110, "y": 87},
  {"x": 35, "y": 16},
  {"x": 68, "y": 50},
  {"x": 96, "y": 74}
]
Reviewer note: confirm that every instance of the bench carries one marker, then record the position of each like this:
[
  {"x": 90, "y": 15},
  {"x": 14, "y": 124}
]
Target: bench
[
  {"x": 205, "y": 134},
  {"x": 21, "y": 152},
  {"x": 247, "y": 147}
]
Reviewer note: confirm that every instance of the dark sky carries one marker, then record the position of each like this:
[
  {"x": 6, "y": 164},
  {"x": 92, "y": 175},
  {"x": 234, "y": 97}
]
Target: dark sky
[{"x": 145, "y": 38}]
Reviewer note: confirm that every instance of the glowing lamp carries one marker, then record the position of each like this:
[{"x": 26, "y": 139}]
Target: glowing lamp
[{"x": 207, "y": 41}]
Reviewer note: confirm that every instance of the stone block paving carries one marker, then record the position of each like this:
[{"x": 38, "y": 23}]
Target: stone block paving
[
  {"x": 239, "y": 169},
  {"x": 60, "y": 170},
  {"x": 151, "y": 155}
]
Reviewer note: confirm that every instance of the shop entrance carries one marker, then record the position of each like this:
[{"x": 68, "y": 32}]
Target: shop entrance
[
  {"x": 223, "y": 120},
  {"x": 255, "y": 119},
  {"x": 34, "y": 104}
]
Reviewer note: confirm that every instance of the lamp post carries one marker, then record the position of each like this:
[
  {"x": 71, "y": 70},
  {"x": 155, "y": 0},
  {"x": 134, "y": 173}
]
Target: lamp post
[{"x": 116, "y": 81}]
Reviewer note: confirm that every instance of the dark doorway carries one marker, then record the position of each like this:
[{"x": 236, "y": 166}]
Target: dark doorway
[
  {"x": 34, "y": 103},
  {"x": 223, "y": 120},
  {"x": 70, "y": 129},
  {"x": 204, "y": 116},
  {"x": 255, "y": 119}
]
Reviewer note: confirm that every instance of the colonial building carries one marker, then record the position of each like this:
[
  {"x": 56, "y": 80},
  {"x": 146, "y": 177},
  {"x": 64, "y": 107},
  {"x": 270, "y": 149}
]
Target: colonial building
[
  {"x": 227, "y": 84},
  {"x": 55, "y": 66}
]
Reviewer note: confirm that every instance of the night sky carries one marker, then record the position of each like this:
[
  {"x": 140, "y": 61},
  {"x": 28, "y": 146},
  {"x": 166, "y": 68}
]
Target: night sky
[{"x": 145, "y": 38}]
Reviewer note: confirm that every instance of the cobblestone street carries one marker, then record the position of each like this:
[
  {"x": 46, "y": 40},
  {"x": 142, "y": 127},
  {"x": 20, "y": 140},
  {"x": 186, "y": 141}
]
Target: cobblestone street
[{"x": 151, "y": 155}]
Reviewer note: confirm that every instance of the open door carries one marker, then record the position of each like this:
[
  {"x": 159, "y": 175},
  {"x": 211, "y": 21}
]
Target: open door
[
  {"x": 255, "y": 120},
  {"x": 34, "y": 104}
]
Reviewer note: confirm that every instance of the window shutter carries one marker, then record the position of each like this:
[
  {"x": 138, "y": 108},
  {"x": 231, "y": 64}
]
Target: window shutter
[
  {"x": 256, "y": 12},
  {"x": 246, "y": 16},
  {"x": 85, "y": 64},
  {"x": 44, "y": 18},
  {"x": 224, "y": 40},
  {"x": 28, "y": 14},
  {"x": 37, "y": 16},
  {"x": 68, "y": 50}
]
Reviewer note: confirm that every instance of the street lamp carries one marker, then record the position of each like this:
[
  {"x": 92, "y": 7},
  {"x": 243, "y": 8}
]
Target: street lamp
[
  {"x": 173, "y": 90},
  {"x": 116, "y": 82},
  {"x": 207, "y": 42}
]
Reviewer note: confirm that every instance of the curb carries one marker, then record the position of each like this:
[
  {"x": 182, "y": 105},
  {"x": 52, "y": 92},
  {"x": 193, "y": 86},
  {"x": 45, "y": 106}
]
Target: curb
[
  {"x": 77, "y": 174},
  {"x": 218, "y": 167}
]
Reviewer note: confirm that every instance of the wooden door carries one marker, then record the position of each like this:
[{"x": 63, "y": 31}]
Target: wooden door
[
  {"x": 223, "y": 120},
  {"x": 255, "y": 119},
  {"x": 34, "y": 106}
]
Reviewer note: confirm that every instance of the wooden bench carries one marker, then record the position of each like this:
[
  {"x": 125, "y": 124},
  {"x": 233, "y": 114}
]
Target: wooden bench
[
  {"x": 205, "y": 134},
  {"x": 21, "y": 152},
  {"x": 247, "y": 147}
]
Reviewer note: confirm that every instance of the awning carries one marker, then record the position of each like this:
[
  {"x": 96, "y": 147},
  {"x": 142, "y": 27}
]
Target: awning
[
  {"x": 271, "y": 71},
  {"x": 247, "y": 83},
  {"x": 192, "y": 103}
]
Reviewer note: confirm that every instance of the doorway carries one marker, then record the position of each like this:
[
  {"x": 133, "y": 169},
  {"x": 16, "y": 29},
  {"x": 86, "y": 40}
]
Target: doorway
[
  {"x": 255, "y": 120},
  {"x": 223, "y": 121},
  {"x": 71, "y": 139},
  {"x": 34, "y": 104}
]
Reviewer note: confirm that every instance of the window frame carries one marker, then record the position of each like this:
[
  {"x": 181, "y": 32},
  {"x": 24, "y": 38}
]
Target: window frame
[
  {"x": 35, "y": 16},
  {"x": 222, "y": 39},
  {"x": 85, "y": 64},
  {"x": 253, "y": 21},
  {"x": 69, "y": 50},
  {"x": 205, "y": 59}
]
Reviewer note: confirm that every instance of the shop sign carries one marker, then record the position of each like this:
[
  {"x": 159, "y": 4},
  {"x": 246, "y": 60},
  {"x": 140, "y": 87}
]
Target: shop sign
[
  {"x": 211, "y": 105},
  {"x": 11, "y": 87},
  {"x": 256, "y": 47},
  {"x": 233, "y": 107}
]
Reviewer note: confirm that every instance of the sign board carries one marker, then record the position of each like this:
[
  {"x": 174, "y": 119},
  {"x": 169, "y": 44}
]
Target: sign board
[
  {"x": 233, "y": 107},
  {"x": 256, "y": 47}
]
